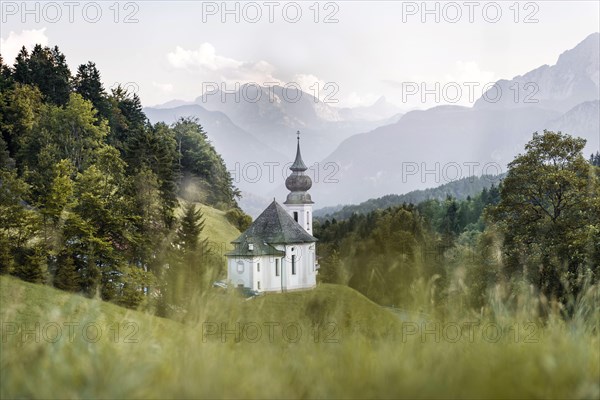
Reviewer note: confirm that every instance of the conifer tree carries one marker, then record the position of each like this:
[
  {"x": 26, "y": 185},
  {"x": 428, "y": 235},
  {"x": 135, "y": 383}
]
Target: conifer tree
[
  {"x": 66, "y": 277},
  {"x": 88, "y": 84},
  {"x": 32, "y": 265}
]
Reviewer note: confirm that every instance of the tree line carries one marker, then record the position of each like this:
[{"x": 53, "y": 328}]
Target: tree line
[
  {"x": 89, "y": 188},
  {"x": 459, "y": 189},
  {"x": 540, "y": 227}
]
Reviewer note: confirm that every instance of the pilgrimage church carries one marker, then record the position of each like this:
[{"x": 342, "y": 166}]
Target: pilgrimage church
[{"x": 277, "y": 252}]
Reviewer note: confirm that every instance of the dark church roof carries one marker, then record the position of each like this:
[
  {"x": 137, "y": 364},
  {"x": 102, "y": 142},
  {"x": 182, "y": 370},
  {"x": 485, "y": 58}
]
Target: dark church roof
[
  {"x": 274, "y": 226},
  {"x": 259, "y": 248}
]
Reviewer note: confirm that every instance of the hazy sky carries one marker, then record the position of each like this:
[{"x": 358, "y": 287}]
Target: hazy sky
[{"x": 366, "y": 49}]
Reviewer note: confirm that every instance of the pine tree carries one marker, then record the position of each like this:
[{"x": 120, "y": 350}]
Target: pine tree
[
  {"x": 22, "y": 72},
  {"x": 88, "y": 84},
  {"x": 66, "y": 277},
  {"x": 47, "y": 69},
  {"x": 4, "y": 157},
  {"x": 189, "y": 259},
  {"x": 6, "y": 260},
  {"x": 32, "y": 266},
  {"x": 191, "y": 225},
  {"x": 6, "y": 78}
]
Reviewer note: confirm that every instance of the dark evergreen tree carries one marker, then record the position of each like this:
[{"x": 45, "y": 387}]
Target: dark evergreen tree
[
  {"x": 191, "y": 225},
  {"x": 4, "y": 156},
  {"x": 126, "y": 118},
  {"x": 189, "y": 260},
  {"x": 66, "y": 277},
  {"x": 6, "y": 259},
  {"x": 154, "y": 147},
  {"x": 22, "y": 72},
  {"x": 6, "y": 78},
  {"x": 31, "y": 265},
  {"x": 88, "y": 84},
  {"x": 47, "y": 69}
]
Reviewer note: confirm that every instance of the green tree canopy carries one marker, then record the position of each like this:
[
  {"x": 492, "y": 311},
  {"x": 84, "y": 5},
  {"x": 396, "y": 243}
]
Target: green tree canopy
[{"x": 549, "y": 214}]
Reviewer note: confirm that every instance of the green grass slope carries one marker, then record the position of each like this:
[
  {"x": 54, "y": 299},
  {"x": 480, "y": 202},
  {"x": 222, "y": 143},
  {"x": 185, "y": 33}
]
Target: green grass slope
[
  {"x": 328, "y": 310},
  {"x": 347, "y": 347},
  {"x": 217, "y": 229}
]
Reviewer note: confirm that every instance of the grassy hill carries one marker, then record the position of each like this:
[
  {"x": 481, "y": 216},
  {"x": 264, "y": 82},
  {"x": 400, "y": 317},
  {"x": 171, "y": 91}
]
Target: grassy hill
[
  {"x": 267, "y": 348},
  {"x": 328, "y": 310},
  {"x": 217, "y": 229}
]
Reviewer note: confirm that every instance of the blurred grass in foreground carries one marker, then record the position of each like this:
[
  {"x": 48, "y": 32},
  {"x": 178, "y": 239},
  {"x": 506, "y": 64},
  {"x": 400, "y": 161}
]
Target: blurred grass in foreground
[{"x": 347, "y": 347}]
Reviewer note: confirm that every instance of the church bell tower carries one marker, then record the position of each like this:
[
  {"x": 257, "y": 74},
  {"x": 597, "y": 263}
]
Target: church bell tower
[{"x": 298, "y": 202}]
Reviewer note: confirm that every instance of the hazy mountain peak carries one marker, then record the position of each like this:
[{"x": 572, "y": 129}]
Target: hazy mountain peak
[
  {"x": 575, "y": 78},
  {"x": 381, "y": 109},
  {"x": 585, "y": 57}
]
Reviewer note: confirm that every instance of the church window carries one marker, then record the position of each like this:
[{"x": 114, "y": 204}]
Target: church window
[
  {"x": 296, "y": 216},
  {"x": 277, "y": 267},
  {"x": 240, "y": 267},
  {"x": 257, "y": 267},
  {"x": 293, "y": 265}
]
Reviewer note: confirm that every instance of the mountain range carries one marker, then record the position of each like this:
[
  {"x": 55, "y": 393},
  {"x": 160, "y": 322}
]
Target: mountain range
[
  {"x": 256, "y": 138},
  {"x": 359, "y": 153},
  {"x": 427, "y": 148}
]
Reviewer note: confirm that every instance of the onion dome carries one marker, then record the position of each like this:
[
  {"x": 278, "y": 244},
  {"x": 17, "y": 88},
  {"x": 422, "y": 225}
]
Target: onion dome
[{"x": 298, "y": 183}]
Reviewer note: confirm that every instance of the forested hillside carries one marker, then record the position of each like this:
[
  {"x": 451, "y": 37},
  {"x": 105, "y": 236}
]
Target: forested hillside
[
  {"x": 540, "y": 228},
  {"x": 89, "y": 188},
  {"x": 460, "y": 189},
  {"x": 384, "y": 252}
]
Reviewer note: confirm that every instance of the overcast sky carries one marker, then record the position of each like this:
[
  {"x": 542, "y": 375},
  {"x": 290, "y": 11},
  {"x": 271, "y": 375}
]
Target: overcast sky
[{"x": 366, "y": 49}]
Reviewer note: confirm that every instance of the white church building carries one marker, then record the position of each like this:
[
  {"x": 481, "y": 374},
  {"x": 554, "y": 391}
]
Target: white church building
[{"x": 277, "y": 252}]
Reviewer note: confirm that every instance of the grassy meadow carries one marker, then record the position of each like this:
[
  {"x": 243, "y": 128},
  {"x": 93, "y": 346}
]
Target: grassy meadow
[{"x": 348, "y": 347}]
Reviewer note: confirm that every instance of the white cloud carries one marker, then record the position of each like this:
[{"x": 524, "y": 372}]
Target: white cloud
[
  {"x": 219, "y": 68},
  {"x": 312, "y": 85},
  {"x": 356, "y": 100},
  {"x": 10, "y": 47},
  {"x": 204, "y": 57},
  {"x": 469, "y": 71},
  {"x": 165, "y": 87}
]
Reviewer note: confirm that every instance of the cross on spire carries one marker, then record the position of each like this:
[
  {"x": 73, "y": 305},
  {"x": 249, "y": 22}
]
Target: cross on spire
[{"x": 298, "y": 164}]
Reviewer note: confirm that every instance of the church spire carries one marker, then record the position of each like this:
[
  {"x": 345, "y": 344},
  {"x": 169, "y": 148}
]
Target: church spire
[
  {"x": 298, "y": 183},
  {"x": 298, "y": 164}
]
